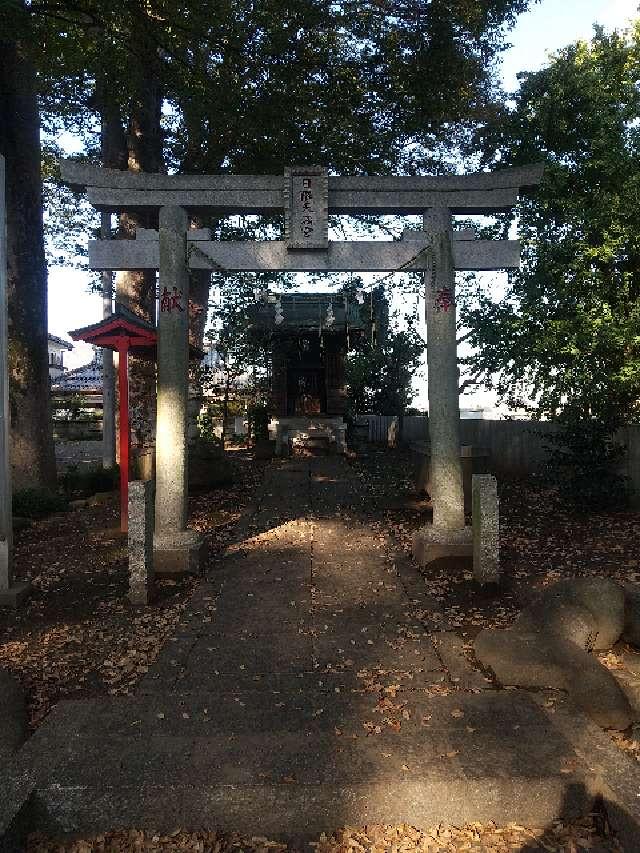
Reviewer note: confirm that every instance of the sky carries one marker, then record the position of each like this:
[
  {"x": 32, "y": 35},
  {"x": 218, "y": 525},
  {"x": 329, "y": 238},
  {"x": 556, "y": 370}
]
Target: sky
[{"x": 545, "y": 28}]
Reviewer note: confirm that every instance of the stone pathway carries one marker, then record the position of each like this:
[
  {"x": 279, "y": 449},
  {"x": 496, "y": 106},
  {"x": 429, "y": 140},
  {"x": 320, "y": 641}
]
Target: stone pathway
[{"x": 302, "y": 692}]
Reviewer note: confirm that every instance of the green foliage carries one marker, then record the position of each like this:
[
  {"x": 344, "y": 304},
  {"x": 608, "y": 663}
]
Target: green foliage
[
  {"x": 567, "y": 331},
  {"x": 564, "y": 342},
  {"x": 253, "y": 87},
  {"x": 380, "y": 378},
  {"x": 587, "y": 456},
  {"x": 37, "y": 503},
  {"x": 256, "y": 86}
]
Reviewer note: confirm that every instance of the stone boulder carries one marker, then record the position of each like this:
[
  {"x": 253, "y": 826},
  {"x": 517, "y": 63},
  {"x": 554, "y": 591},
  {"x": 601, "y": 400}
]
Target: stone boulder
[
  {"x": 522, "y": 659},
  {"x": 550, "y": 643},
  {"x": 519, "y": 659},
  {"x": 556, "y": 618},
  {"x": 631, "y": 631},
  {"x": 598, "y": 602}
]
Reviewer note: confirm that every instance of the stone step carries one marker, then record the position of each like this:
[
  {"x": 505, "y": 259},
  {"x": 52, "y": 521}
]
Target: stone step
[
  {"x": 283, "y": 769},
  {"x": 282, "y": 772},
  {"x": 286, "y": 809},
  {"x": 497, "y": 756}
]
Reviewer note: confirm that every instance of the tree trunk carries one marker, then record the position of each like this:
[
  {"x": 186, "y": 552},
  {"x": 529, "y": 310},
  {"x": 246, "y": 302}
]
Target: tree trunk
[
  {"x": 136, "y": 290},
  {"x": 199, "y": 286},
  {"x": 113, "y": 153},
  {"x": 32, "y": 452}
]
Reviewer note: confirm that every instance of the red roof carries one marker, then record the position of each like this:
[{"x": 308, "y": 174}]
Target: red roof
[{"x": 119, "y": 328}]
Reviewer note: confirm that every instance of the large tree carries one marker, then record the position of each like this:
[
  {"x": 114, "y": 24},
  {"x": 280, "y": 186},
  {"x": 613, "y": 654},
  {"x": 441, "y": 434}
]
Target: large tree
[
  {"x": 380, "y": 374},
  {"x": 32, "y": 455},
  {"x": 563, "y": 341}
]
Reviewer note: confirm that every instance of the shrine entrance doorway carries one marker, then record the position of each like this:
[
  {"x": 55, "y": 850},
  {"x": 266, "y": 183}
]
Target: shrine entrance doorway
[{"x": 306, "y": 391}]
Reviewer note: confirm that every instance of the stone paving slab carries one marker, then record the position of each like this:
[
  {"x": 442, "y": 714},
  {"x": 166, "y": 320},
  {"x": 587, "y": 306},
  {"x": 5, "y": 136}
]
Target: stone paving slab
[
  {"x": 500, "y": 742},
  {"x": 450, "y": 648},
  {"x": 311, "y": 759},
  {"x": 496, "y": 715},
  {"x": 277, "y": 652}
]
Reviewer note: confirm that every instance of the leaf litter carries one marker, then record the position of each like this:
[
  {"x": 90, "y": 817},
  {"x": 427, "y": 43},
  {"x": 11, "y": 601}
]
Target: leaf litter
[{"x": 590, "y": 834}]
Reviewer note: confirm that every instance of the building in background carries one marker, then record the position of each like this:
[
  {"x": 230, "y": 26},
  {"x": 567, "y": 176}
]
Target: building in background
[
  {"x": 56, "y": 347},
  {"x": 473, "y": 414},
  {"x": 85, "y": 379}
]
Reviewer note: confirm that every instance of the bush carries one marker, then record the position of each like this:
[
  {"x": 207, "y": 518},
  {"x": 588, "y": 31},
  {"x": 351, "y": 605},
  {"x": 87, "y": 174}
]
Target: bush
[
  {"x": 208, "y": 421},
  {"x": 37, "y": 503},
  {"x": 587, "y": 455},
  {"x": 82, "y": 482},
  {"x": 260, "y": 419}
]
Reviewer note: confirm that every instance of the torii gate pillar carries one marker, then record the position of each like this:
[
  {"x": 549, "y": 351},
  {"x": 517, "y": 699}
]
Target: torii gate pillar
[
  {"x": 177, "y": 550},
  {"x": 447, "y": 536}
]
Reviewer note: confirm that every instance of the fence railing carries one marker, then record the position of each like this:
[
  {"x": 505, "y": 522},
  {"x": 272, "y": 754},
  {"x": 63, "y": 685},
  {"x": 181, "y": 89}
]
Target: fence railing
[{"x": 515, "y": 448}]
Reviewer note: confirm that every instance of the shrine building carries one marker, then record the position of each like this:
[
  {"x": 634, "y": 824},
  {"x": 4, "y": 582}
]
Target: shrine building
[{"x": 309, "y": 335}]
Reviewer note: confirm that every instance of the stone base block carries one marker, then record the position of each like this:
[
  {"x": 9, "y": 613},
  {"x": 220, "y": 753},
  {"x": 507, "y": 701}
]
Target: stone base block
[
  {"x": 143, "y": 595},
  {"x": 15, "y": 595},
  {"x": 178, "y": 553},
  {"x": 436, "y": 543}
]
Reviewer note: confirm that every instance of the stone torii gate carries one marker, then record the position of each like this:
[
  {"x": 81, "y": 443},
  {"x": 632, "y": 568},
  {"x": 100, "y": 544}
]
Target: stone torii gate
[{"x": 307, "y": 195}]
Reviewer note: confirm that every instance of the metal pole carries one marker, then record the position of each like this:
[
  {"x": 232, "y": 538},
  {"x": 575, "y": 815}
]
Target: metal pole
[
  {"x": 124, "y": 435},
  {"x": 108, "y": 372}
]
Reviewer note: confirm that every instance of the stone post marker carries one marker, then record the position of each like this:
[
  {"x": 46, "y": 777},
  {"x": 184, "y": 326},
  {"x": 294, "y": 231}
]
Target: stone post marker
[
  {"x": 11, "y": 595},
  {"x": 141, "y": 573},
  {"x": 176, "y": 549},
  {"x": 448, "y": 536},
  {"x": 486, "y": 529}
]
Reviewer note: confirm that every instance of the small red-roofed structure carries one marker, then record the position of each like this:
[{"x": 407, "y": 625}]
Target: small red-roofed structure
[{"x": 123, "y": 333}]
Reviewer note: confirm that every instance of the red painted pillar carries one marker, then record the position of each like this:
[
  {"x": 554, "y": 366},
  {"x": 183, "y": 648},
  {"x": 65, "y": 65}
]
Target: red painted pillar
[{"x": 124, "y": 436}]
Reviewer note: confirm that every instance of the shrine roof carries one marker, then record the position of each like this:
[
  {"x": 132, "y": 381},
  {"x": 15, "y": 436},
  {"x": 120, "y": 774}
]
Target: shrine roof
[
  {"x": 123, "y": 323},
  {"x": 122, "y": 319},
  {"x": 309, "y": 311}
]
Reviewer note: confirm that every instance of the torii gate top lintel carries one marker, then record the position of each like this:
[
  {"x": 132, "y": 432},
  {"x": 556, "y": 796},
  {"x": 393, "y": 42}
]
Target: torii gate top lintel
[
  {"x": 307, "y": 195},
  {"x": 474, "y": 193}
]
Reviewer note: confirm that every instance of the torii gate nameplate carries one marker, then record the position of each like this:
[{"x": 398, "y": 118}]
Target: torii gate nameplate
[{"x": 306, "y": 208}]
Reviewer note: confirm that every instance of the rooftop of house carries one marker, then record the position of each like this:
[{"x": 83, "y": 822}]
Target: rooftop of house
[{"x": 59, "y": 342}]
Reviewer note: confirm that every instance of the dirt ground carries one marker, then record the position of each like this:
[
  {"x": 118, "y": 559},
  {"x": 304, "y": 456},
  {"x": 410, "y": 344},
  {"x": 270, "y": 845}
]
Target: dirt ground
[
  {"x": 590, "y": 834},
  {"x": 541, "y": 541},
  {"x": 78, "y": 635}
]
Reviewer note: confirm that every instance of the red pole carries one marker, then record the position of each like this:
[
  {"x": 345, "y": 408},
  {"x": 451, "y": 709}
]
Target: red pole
[{"x": 124, "y": 436}]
